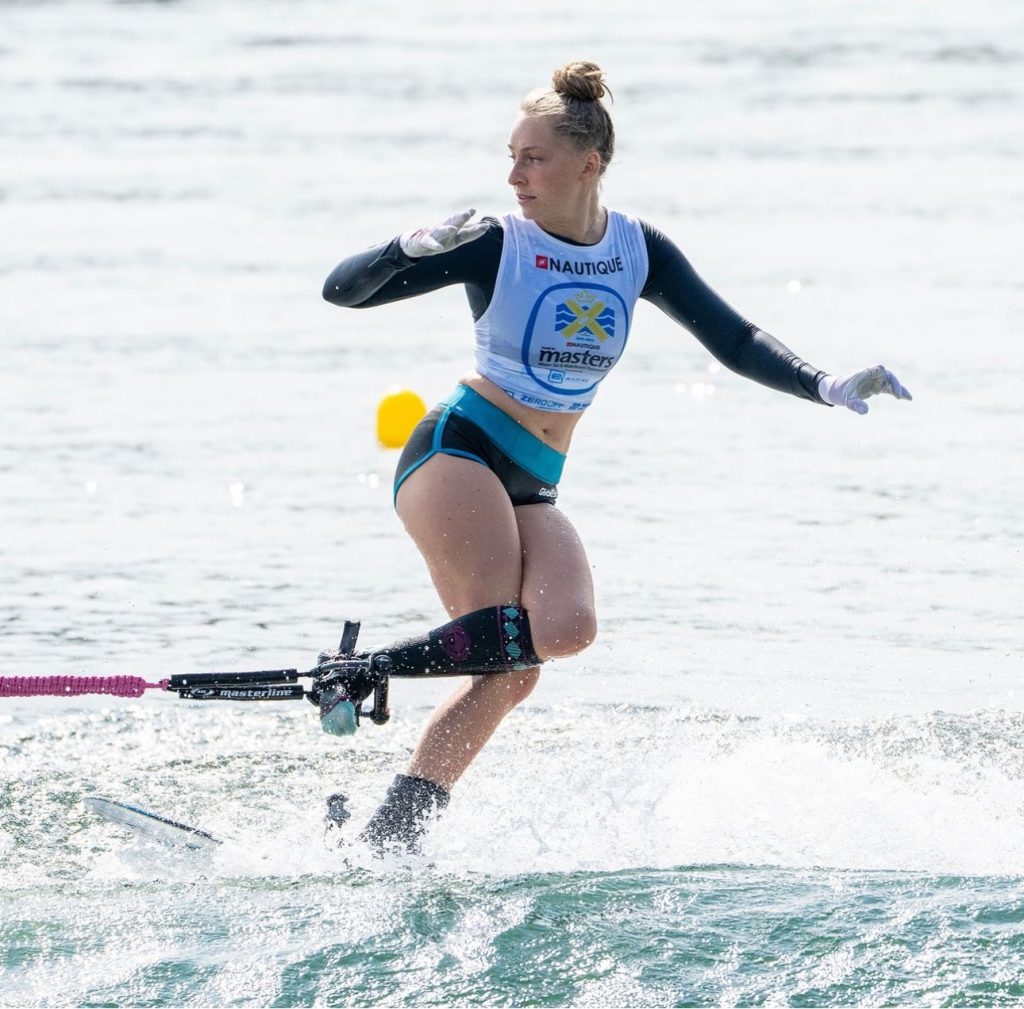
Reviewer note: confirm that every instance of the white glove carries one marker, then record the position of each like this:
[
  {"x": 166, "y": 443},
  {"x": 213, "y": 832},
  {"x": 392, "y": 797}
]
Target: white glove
[
  {"x": 852, "y": 390},
  {"x": 443, "y": 237}
]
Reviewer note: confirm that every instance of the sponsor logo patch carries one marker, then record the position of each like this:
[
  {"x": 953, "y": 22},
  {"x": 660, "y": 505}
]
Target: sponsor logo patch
[{"x": 585, "y": 316}]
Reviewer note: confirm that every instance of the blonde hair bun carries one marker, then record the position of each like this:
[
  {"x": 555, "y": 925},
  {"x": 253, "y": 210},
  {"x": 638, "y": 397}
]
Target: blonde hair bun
[
  {"x": 575, "y": 107},
  {"x": 580, "y": 79}
]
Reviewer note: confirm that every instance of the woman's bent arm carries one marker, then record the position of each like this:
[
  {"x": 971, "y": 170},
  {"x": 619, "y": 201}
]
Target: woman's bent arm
[
  {"x": 354, "y": 281},
  {"x": 385, "y": 273}
]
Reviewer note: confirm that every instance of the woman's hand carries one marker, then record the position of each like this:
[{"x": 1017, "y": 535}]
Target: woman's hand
[
  {"x": 443, "y": 237},
  {"x": 852, "y": 390}
]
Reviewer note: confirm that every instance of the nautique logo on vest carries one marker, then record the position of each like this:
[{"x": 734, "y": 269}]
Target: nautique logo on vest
[{"x": 585, "y": 269}]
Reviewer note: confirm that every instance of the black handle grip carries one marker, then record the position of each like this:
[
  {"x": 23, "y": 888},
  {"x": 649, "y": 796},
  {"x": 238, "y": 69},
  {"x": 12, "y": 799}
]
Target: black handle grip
[{"x": 185, "y": 680}]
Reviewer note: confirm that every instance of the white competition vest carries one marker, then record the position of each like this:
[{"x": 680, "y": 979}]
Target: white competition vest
[{"x": 560, "y": 314}]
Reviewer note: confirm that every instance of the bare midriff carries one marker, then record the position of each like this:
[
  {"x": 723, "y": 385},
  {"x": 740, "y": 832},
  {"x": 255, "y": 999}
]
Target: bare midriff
[{"x": 554, "y": 429}]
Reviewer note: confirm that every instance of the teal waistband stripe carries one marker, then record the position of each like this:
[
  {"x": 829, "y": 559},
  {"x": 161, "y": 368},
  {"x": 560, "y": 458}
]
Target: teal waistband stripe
[{"x": 523, "y": 448}]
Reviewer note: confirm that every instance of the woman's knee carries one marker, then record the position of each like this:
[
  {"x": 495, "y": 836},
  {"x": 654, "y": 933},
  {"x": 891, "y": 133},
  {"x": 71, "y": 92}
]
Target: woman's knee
[{"x": 558, "y": 635}]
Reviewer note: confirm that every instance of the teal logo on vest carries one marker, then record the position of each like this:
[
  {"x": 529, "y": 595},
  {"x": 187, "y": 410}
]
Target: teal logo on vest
[{"x": 574, "y": 336}]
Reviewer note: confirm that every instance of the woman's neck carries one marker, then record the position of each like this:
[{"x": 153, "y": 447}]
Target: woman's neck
[{"x": 587, "y": 227}]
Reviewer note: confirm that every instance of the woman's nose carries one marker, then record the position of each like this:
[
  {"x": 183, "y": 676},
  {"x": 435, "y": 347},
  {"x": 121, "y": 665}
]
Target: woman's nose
[{"x": 515, "y": 176}]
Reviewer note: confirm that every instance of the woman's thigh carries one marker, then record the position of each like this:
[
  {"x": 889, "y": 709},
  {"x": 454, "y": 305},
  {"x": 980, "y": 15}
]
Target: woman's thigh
[
  {"x": 557, "y": 587},
  {"x": 461, "y": 520}
]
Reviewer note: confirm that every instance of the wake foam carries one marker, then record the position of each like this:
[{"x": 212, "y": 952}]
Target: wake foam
[
  {"x": 595, "y": 789},
  {"x": 940, "y": 794}
]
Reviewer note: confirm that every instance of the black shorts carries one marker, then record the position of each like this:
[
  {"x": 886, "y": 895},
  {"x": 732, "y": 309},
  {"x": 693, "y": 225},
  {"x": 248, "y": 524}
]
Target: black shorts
[{"x": 471, "y": 427}]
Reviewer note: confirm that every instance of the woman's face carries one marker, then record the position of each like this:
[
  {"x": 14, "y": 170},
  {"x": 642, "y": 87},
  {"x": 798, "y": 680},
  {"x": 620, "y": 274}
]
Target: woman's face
[{"x": 551, "y": 179}]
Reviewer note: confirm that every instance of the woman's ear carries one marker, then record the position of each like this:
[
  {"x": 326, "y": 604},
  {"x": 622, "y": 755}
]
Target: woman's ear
[{"x": 592, "y": 166}]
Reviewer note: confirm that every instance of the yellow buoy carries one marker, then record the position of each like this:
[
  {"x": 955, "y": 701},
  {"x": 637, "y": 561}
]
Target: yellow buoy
[{"x": 398, "y": 413}]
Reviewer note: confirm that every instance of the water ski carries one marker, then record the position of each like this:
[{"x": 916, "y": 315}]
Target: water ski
[{"x": 151, "y": 825}]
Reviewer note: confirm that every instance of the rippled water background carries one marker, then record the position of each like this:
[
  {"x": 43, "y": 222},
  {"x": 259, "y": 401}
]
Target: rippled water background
[{"x": 790, "y": 772}]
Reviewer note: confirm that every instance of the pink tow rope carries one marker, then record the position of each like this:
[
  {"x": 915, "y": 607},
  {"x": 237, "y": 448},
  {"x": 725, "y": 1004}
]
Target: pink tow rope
[{"x": 72, "y": 686}]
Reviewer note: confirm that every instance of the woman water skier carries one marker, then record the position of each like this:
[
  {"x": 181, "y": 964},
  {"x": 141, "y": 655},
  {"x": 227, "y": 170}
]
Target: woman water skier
[{"x": 552, "y": 290}]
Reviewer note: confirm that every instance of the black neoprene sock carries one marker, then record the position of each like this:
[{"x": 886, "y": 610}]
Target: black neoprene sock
[
  {"x": 401, "y": 819},
  {"x": 491, "y": 640}
]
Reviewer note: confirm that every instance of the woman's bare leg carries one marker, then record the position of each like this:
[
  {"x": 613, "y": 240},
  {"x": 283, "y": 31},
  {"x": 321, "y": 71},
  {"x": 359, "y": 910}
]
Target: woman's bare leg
[{"x": 480, "y": 552}]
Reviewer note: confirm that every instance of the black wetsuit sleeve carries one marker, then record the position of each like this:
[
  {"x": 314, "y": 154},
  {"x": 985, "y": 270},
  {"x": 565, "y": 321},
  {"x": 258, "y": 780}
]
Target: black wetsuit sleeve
[
  {"x": 674, "y": 286},
  {"x": 383, "y": 274}
]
